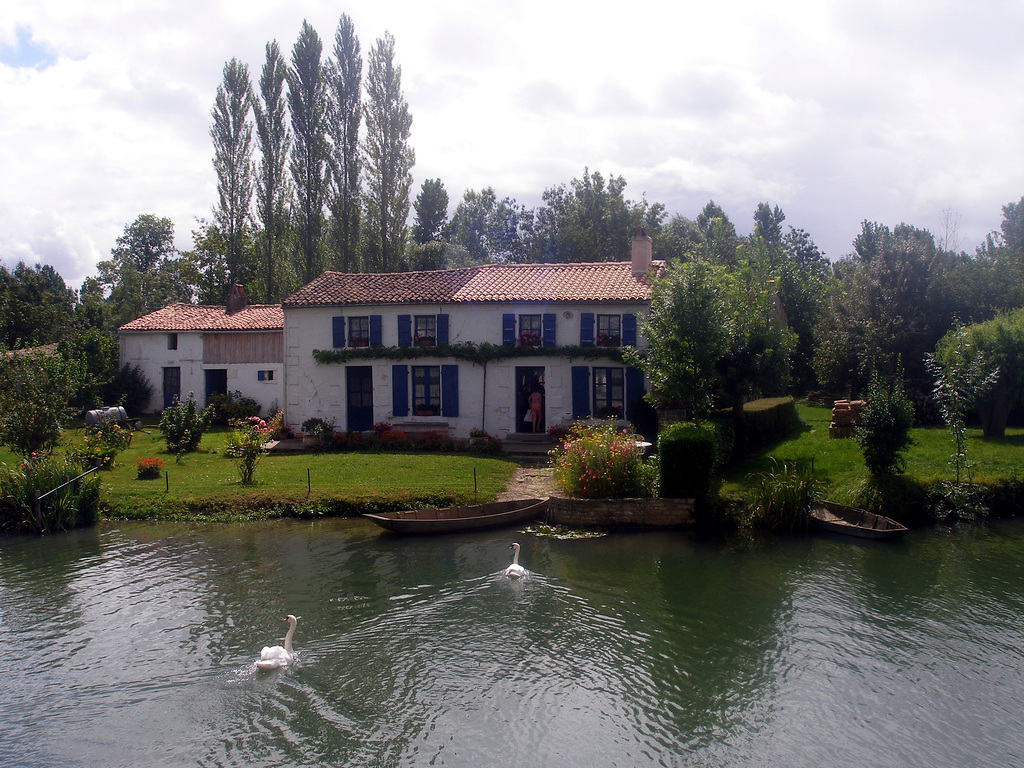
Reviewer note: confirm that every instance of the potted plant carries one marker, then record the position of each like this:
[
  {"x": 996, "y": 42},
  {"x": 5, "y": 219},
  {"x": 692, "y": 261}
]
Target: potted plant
[{"x": 315, "y": 431}]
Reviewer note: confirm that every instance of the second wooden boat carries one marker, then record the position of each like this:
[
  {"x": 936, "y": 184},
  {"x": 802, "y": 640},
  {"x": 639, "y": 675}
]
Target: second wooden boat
[
  {"x": 470, "y": 517},
  {"x": 855, "y": 522}
]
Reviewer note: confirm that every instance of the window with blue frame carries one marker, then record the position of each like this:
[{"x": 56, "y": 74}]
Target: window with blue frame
[
  {"x": 426, "y": 390},
  {"x": 609, "y": 393}
]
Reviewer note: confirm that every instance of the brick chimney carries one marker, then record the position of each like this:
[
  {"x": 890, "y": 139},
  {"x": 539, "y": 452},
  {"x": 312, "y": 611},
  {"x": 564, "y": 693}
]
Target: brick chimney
[
  {"x": 642, "y": 249},
  {"x": 236, "y": 299}
]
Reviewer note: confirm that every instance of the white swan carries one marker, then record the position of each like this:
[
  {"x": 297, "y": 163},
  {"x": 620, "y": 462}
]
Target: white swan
[
  {"x": 515, "y": 571},
  {"x": 276, "y": 656}
]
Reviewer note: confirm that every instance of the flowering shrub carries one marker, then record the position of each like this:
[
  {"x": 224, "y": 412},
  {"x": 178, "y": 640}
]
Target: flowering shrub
[
  {"x": 245, "y": 444},
  {"x": 481, "y": 442},
  {"x": 346, "y": 441},
  {"x": 183, "y": 425},
  {"x": 394, "y": 440},
  {"x": 434, "y": 440},
  {"x": 102, "y": 442},
  {"x": 148, "y": 469},
  {"x": 600, "y": 461},
  {"x": 381, "y": 427},
  {"x": 558, "y": 433}
]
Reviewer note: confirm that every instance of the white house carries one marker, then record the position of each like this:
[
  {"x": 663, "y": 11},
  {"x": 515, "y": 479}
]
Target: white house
[
  {"x": 466, "y": 348},
  {"x": 451, "y": 349},
  {"x": 206, "y": 350}
]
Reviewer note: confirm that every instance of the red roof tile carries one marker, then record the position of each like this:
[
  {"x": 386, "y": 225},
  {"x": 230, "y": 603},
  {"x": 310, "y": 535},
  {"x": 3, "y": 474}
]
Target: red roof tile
[
  {"x": 189, "y": 317},
  {"x": 602, "y": 281}
]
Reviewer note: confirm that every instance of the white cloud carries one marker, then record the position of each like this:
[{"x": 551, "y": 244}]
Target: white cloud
[{"x": 837, "y": 111}]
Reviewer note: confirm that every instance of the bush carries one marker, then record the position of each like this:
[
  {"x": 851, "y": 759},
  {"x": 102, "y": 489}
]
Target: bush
[
  {"x": 601, "y": 461},
  {"x": 35, "y": 389},
  {"x": 885, "y": 422},
  {"x": 433, "y": 440},
  {"x": 184, "y": 424},
  {"x": 148, "y": 468},
  {"x": 321, "y": 428},
  {"x": 245, "y": 444},
  {"x": 783, "y": 498},
  {"x": 232, "y": 406},
  {"x": 130, "y": 388},
  {"x": 481, "y": 442},
  {"x": 346, "y": 441},
  {"x": 688, "y": 453},
  {"x": 73, "y": 506},
  {"x": 394, "y": 440},
  {"x": 102, "y": 442}
]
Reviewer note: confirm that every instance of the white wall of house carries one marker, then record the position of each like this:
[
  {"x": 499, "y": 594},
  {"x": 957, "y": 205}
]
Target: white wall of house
[
  {"x": 152, "y": 353},
  {"x": 488, "y": 395}
]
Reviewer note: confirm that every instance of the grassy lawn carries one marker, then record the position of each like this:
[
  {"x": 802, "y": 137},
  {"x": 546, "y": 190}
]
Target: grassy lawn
[
  {"x": 205, "y": 483},
  {"x": 839, "y": 464}
]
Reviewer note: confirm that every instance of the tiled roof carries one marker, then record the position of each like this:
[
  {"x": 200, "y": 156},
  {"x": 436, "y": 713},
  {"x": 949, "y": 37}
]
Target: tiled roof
[
  {"x": 602, "y": 281},
  {"x": 189, "y": 317}
]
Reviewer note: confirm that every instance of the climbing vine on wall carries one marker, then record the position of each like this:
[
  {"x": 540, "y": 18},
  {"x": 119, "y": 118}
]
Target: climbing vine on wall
[{"x": 473, "y": 353}]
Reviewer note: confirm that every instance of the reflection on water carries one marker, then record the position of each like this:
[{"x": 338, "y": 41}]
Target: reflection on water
[{"x": 133, "y": 645}]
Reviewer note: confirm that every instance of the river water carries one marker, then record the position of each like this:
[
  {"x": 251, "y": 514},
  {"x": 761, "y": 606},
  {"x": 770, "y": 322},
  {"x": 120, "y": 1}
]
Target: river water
[{"x": 133, "y": 644}]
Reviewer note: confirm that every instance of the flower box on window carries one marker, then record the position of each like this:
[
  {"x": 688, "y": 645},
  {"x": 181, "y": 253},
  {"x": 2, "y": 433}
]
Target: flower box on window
[
  {"x": 528, "y": 340},
  {"x": 423, "y": 341},
  {"x": 610, "y": 412},
  {"x": 426, "y": 410},
  {"x": 359, "y": 341},
  {"x": 607, "y": 340}
]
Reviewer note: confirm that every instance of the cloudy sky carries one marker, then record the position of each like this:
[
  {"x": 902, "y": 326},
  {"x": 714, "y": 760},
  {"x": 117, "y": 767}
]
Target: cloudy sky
[{"x": 836, "y": 111}]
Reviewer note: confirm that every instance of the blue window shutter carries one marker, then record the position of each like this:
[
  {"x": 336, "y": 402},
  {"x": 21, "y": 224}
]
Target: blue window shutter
[
  {"x": 404, "y": 330},
  {"x": 338, "y": 327},
  {"x": 548, "y": 329},
  {"x": 400, "y": 390},
  {"x": 376, "y": 333},
  {"x": 629, "y": 330},
  {"x": 580, "y": 392},
  {"x": 586, "y": 329},
  {"x": 442, "y": 329},
  {"x": 450, "y": 390},
  {"x": 634, "y": 389},
  {"x": 508, "y": 329},
  {"x": 261, "y": 375}
]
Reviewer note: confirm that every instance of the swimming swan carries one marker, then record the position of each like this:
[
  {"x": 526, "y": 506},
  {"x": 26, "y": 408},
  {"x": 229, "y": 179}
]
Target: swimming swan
[
  {"x": 275, "y": 656},
  {"x": 515, "y": 571}
]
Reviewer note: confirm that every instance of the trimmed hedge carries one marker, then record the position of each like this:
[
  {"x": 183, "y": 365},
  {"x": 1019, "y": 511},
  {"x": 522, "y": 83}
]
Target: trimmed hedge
[
  {"x": 763, "y": 423},
  {"x": 688, "y": 454}
]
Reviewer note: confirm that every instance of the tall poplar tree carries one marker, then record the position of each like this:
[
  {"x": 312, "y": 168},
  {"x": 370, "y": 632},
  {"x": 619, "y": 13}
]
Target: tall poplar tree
[
  {"x": 431, "y": 206},
  {"x": 389, "y": 158},
  {"x": 232, "y": 159},
  {"x": 271, "y": 182},
  {"x": 345, "y": 77},
  {"x": 307, "y": 98}
]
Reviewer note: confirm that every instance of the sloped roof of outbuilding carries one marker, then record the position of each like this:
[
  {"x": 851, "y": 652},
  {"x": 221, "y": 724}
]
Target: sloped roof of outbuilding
[
  {"x": 191, "y": 317},
  {"x": 599, "y": 281}
]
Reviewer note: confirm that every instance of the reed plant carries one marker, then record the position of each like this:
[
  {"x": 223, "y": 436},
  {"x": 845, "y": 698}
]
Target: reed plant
[
  {"x": 75, "y": 502},
  {"x": 782, "y": 498}
]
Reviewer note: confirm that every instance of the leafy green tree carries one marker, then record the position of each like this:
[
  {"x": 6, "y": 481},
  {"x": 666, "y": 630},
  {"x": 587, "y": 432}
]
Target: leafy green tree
[
  {"x": 885, "y": 422},
  {"x": 36, "y": 387},
  {"x": 98, "y": 352},
  {"x": 344, "y": 76},
  {"x": 389, "y": 158},
  {"x": 232, "y": 159},
  {"x": 1001, "y": 342},
  {"x": 591, "y": 220},
  {"x": 688, "y": 333},
  {"x": 768, "y": 226},
  {"x": 431, "y": 206},
  {"x": 309, "y": 103},
  {"x": 272, "y": 192},
  {"x": 145, "y": 271},
  {"x": 36, "y": 307},
  {"x": 491, "y": 230},
  {"x": 720, "y": 238}
]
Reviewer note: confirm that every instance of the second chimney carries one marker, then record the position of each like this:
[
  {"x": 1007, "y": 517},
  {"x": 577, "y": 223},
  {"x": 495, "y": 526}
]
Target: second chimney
[{"x": 642, "y": 250}]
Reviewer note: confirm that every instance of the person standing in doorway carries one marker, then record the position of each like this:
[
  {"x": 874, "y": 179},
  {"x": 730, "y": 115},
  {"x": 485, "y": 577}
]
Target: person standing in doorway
[{"x": 536, "y": 401}]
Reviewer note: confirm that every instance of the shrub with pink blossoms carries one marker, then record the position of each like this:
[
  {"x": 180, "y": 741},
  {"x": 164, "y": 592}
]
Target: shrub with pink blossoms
[{"x": 602, "y": 461}]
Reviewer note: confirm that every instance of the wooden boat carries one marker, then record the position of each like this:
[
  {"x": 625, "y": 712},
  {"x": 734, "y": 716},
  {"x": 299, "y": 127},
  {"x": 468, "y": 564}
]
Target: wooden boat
[
  {"x": 855, "y": 522},
  {"x": 471, "y": 517}
]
